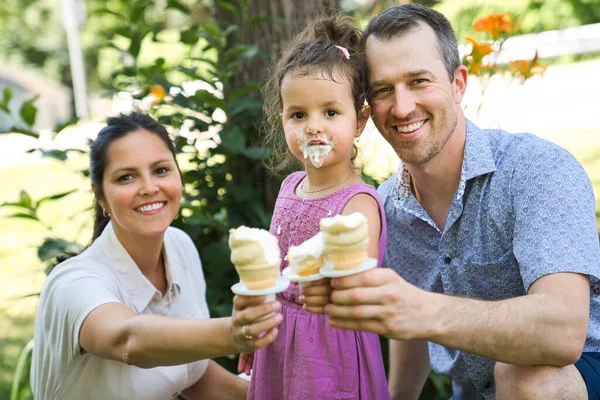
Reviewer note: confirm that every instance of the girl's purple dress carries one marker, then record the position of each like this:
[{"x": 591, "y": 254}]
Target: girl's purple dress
[{"x": 310, "y": 360}]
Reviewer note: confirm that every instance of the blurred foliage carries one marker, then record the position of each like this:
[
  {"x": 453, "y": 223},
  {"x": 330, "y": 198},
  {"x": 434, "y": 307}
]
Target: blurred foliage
[
  {"x": 481, "y": 58},
  {"x": 32, "y": 34},
  {"x": 587, "y": 11},
  {"x": 534, "y": 15}
]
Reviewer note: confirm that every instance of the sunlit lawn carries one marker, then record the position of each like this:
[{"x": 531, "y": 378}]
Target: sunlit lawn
[{"x": 21, "y": 273}]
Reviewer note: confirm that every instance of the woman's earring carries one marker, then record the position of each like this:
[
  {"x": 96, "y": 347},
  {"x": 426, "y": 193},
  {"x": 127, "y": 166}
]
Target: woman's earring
[{"x": 106, "y": 214}]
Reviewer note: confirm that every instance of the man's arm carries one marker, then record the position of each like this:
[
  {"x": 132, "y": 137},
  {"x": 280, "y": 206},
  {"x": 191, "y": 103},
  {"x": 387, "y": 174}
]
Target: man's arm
[
  {"x": 547, "y": 326},
  {"x": 409, "y": 368}
]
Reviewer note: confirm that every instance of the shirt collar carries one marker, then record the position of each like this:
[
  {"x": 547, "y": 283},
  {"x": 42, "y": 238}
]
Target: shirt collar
[
  {"x": 137, "y": 286},
  {"x": 173, "y": 278},
  {"x": 478, "y": 160}
]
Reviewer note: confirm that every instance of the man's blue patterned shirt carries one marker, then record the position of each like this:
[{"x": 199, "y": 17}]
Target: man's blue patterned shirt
[{"x": 524, "y": 208}]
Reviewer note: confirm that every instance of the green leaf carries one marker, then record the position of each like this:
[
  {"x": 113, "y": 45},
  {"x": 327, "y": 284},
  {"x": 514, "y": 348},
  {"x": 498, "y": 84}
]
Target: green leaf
[
  {"x": 23, "y": 131},
  {"x": 199, "y": 124},
  {"x": 28, "y": 111},
  {"x": 7, "y": 95},
  {"x": 230, "y": 29},
  {"x": 136, "y": 43},
  {"x": 62, "y": 126},
  {"x": 190, "y": 35},
  {"x": 177, "y": 5},
  {"x": 137, "y": 9},
  {"x": 209, "y": 61},
  {"x": 58, "y": 154},
  {"x": 54, "y": 247},
  {"x": 207, "y": 98},
  {"x": 227, "y": 6},
  {"x": 233, "y": 139},
  {"x": 56, "y": 196},
  {"x": 24, "y": 216},
  {"x": 25, "y": 200}
]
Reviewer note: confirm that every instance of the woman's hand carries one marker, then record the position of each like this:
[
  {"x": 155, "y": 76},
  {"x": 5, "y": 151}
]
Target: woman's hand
[
  {"x": 315, "y": 295},
  {"x": 253, "y": 322},
  {"x": 245, "y": 363}
]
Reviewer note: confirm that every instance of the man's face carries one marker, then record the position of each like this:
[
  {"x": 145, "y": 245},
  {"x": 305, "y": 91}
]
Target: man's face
[{"x": 414, "y": 104}]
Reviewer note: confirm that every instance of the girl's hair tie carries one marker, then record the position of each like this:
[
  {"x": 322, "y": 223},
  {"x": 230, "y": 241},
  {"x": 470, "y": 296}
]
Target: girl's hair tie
[{"x": 344, "y": 51}]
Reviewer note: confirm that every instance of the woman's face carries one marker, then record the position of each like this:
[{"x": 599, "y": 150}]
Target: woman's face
[{"x": 142, "y": 186}]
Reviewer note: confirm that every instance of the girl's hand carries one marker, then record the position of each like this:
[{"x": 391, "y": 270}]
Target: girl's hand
[
  {"x": 245, "y": 363},
  {"x": 253, "y": 323},
  {"x": 315, "y": 295}
]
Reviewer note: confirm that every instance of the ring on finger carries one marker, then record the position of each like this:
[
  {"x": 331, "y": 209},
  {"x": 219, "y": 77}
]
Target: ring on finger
[{"x": 245, "y": 334}]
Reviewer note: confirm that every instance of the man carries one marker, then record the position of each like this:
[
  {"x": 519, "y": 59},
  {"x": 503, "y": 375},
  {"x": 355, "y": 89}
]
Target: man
[{"x": 492, "y": 240}]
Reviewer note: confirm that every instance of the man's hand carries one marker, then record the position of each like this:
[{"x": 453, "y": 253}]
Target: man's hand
[{"x": 380, "y": 301}]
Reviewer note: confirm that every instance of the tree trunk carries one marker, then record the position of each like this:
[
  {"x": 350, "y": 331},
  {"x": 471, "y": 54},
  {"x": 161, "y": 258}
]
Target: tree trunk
[{"x": 282, "y": 20}]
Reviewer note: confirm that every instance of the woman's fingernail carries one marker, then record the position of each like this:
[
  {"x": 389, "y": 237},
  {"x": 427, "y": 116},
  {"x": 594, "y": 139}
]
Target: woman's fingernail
[
  {"x": 301, "y": 299},
  {"x": 276, "y": 305},
  {"x": 278, "y": 318}
]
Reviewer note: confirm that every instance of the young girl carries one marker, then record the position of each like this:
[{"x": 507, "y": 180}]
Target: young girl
[{"x": 317, "y": 94}]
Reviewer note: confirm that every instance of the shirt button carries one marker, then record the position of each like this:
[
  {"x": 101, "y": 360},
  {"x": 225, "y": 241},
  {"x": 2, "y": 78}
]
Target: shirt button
[{"x": 447, "y": 260}]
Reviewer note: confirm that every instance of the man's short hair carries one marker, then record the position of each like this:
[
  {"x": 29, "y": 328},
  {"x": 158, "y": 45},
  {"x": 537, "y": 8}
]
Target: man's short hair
[{"x": 396, "y": 21}]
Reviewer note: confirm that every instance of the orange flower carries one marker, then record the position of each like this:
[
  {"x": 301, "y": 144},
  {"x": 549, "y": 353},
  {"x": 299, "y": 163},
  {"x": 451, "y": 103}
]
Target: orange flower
[
  {"x": 475, "y": 58},
  {"x": 527, "y": 68},
  {"x": 158, "y": 92},
  {"x": 495, "y": 25}
]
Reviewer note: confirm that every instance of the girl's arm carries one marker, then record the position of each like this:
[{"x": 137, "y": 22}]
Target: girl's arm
[
  {"x": 409, "y": 368},
  {"x": 217, "y": 384},
  {"x": 368, "y": 206},
  {"x": 115, "y": 332}
]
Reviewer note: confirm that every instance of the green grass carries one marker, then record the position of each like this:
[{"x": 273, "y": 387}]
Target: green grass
[{"x": 21, "y": 272}]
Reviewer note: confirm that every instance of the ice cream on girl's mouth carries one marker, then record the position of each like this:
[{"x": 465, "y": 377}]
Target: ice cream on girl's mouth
[{"x": 315, "y": 148}]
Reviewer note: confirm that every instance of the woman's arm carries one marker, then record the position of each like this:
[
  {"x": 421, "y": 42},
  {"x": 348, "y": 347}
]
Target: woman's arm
[
  {"x": 217, "y": 384},
  {"x": 115, "y": 332}
]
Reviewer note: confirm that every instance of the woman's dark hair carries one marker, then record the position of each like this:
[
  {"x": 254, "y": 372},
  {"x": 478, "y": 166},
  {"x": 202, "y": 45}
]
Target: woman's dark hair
[
  {"x": 312, "y": 51},
  {"x": 396, "y": 21},
  {"x": 116, "y": 128}
]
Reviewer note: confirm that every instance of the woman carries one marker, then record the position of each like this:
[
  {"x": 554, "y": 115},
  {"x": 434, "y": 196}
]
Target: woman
[{"x": 127, "y": 318}]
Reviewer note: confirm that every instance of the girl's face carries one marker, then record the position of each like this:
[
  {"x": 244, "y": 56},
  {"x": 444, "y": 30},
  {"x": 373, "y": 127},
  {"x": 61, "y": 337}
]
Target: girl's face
[
  {"x": 142, "y": 186},
  {"x": 319, "y": 118}
]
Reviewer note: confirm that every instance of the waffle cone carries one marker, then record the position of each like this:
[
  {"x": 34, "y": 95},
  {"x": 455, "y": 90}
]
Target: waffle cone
[
  {"x": 347, "y": 260},
  {"x": 258, "y": 276}
]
